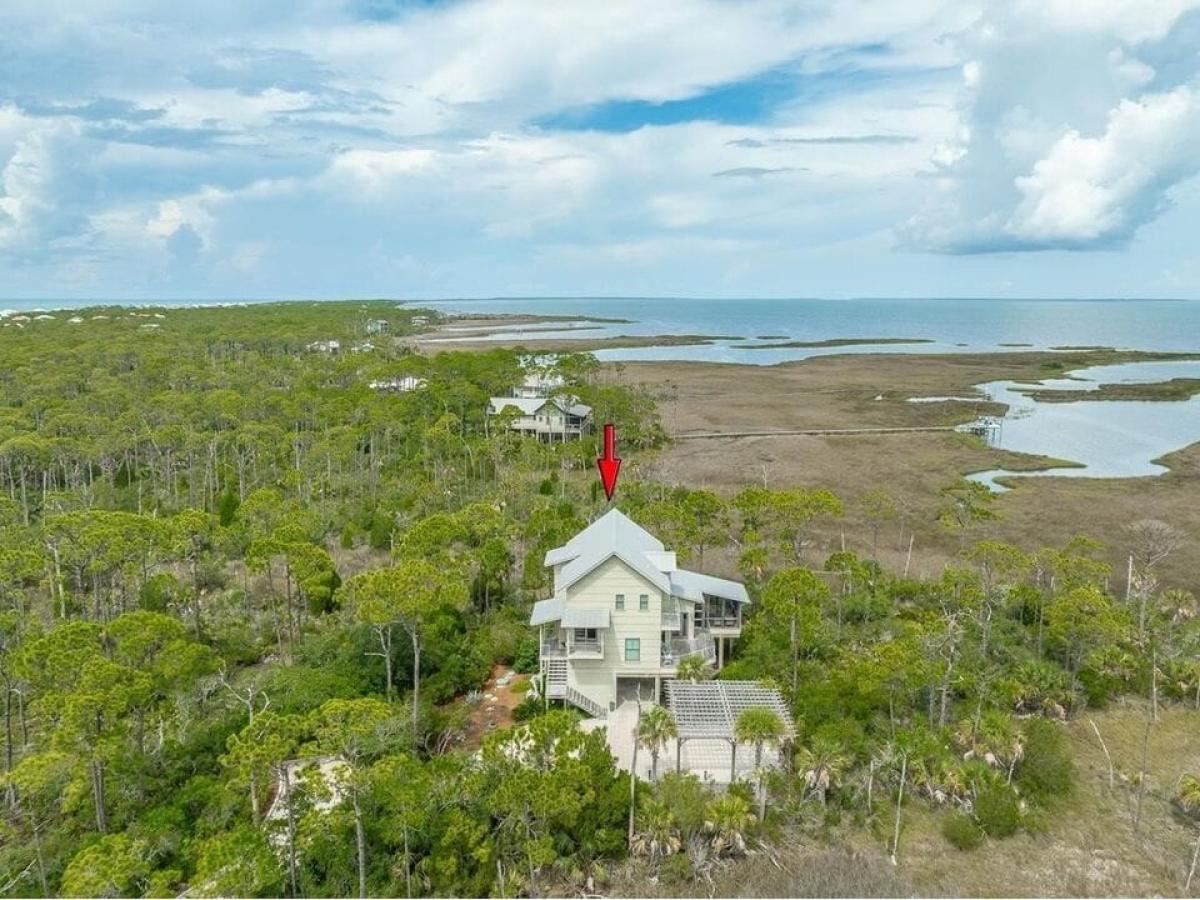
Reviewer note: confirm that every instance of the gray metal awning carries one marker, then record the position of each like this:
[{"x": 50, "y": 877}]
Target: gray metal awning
[
  {"x": 547, "y": 611},
  {"x": 585, "y": 618}
]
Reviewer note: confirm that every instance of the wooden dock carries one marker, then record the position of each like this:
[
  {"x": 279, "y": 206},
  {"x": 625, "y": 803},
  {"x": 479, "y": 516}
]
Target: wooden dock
[
  {"x": 814, "y": 432},
  {"x": 988, "y": 429}
]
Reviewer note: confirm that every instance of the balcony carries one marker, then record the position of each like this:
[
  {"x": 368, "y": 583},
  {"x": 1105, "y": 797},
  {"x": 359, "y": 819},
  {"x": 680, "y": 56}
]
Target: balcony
[
  {"x": 677, "y": 648},
  {"x": 585, "y": 648},
  {"x": 724, "y": 625},
  {"x": 721, "y": 617},
  {"x": 553, "y": 650}
]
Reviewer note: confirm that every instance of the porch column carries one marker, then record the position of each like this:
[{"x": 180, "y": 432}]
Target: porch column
[
  {"x": 542, "y": 666},
  {"x": 678, "y": 753},
  {"x": 720, "y": 653},
  {"x": 732, "y": 760}
]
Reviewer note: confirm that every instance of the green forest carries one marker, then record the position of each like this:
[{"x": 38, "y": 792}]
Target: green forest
[{"x": 230, "y": 566}]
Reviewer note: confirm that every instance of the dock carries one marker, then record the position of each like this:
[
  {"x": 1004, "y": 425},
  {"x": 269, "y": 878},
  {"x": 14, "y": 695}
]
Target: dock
[{"x": 988, "y": 429}]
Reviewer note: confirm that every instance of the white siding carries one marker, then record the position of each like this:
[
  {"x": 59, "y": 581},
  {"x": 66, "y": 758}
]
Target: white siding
[{"x": 598, "y": 590}]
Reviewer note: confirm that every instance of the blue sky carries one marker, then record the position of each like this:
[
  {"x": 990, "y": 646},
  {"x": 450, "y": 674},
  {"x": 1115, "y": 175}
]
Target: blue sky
[{"x": 325, "y": 148}]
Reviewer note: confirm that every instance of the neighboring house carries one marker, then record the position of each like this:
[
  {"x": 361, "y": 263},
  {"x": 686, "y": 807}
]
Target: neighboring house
[
  {"x": 378, "y": 326},
  {"x": 320, "y": 346},
  {"x": 399, "y": 385},
  {"x": 538, "y": 384},
  {"x": 623, "y": 614},
  {"x": 550, "y": 419}
]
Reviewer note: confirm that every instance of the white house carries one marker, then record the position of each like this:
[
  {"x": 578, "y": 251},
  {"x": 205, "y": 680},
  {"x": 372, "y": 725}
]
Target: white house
[
  {"x": 623, "y": 614},
  {"x": 539, "y": 384},
  {"x": 399, "y": 385},
  {"x": 550, "y": 419}
]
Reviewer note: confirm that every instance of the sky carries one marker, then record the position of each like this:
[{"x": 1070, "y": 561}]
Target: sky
[{"x": 768, "y": 148}]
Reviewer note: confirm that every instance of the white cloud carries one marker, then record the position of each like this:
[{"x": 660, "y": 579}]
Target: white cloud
[
  {"x": 30, "y": 183},
  {"x": 1071, "y": 135},
  {"x": 291, "y": 141},
  {"x": 1089, "y": 189}
]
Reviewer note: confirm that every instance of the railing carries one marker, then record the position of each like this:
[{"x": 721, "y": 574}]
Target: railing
[
  {"x": 671, "y": 621},
  {"x": 585, "y": 647},
  {"x": 677, "y": 648},
  {"x": 553, "y": 650},
  {"x": 722, "y": 622},
  {"x": 587, "y": 704}
]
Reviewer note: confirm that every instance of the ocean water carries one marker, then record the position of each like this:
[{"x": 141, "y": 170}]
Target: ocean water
[{"x": 950, "y": 325}]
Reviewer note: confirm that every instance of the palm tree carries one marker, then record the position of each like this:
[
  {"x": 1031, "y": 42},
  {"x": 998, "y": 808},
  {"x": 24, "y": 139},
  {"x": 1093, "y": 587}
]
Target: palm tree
[
  {"x": 655, "y": 730},
  {"x": 995, "y": 738},
  {"x": 760, "y": 727},
  {"x": 822, "y": 766},
  {"x": 1187, "y": 795},
  {"x": 727, "y": 819},
  {"x": 657, "y": 835},
  {"x": 693, "y": 668}
]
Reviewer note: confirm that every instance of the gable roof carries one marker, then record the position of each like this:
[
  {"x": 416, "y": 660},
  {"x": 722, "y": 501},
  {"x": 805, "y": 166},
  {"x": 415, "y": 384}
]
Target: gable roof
[
  {"x": 613, "y": 534},
  {"x": 530, "y": 405},
  {"x": 527, "y": 405}
]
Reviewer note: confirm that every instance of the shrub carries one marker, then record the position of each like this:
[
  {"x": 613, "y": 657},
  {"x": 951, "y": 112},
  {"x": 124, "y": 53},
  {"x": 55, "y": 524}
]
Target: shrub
[
  {"x": 962, "y": 832},
  {"x": 997, "y": 811},
  {"x": 676, "y": 869},
  {"x": 159, "y": 592},
  {"x": 528, "y": 708},
  {"x": 526, "y": 660},
  {"x": 519, "y": 686},
  {"x": 1046, "y": 772},
  {"x": 380, "y": 532}
]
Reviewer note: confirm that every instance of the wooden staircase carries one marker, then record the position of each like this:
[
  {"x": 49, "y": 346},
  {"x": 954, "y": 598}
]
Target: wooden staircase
[{"x": 587, "y": 704}]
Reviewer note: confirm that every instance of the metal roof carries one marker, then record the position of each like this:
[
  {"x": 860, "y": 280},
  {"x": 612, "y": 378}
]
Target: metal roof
[
  {"x": 613, "y": 529},
  {"x": 525, "y": 405},
  {"x": 709, "y": 709},
  {"x": 529, "y": 406},
  {"x": 613, "y": 534},
  {"x": 694, "y": 585},
  {"x": 585, "y": 618},
  {"x": 547, "y": 611}
]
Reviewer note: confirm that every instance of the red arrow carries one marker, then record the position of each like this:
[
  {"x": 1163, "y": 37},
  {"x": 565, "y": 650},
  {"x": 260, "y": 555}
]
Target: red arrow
[{"x": 609, "y": 464}]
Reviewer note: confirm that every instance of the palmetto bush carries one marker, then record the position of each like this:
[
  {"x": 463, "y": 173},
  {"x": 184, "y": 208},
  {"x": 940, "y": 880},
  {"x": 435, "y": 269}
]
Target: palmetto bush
[
  {"x": 728, "y": 820},
  {"x": 657, "y": 836}
]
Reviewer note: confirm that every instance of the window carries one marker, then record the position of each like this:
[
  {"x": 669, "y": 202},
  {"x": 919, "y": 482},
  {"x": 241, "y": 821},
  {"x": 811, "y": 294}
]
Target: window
[
  {"x": 585, "y": 634},
  {"x": 620, "y": 601},
  {"x": 633, "y": 649},
  {"x": 644, "y": 602}
]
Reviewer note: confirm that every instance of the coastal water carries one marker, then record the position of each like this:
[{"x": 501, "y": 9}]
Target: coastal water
[
  {"x": 1104, "y": 438},
  {"x": 947, "y": 325}
]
